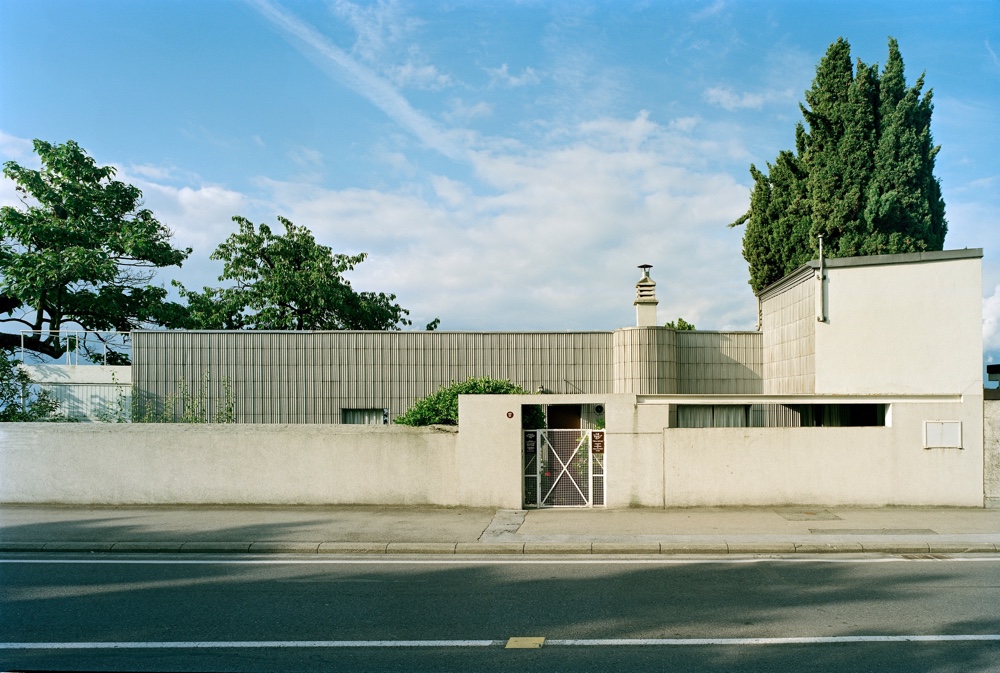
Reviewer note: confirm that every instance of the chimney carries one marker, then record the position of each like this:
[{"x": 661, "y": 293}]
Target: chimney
[{"x": 645, "y": 299}]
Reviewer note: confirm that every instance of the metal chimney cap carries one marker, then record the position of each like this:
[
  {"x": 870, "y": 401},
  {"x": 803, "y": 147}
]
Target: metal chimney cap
[{"x": 645, "y": 266}]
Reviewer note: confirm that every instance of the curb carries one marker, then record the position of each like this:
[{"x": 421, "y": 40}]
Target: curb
[{"x": 502, "y": 548}]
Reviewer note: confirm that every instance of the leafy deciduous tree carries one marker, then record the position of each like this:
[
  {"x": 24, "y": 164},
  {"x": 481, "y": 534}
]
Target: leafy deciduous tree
[
  {"x": 288, "y": 282},
  {"x": 80, "y": 254}
]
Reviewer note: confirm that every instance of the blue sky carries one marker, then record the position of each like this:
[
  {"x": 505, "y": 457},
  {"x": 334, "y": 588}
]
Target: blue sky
[{"x": 505, "y": 164}]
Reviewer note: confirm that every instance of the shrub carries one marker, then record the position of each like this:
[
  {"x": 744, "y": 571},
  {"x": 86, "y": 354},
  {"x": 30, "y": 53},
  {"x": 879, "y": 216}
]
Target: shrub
[
  {"x": 20, "y": 400},
  {"x": 441, "y": 407}
]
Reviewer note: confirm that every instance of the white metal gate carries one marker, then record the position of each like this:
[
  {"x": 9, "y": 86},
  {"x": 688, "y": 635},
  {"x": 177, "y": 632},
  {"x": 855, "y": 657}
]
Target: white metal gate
[{"x": 564, "y": 468}]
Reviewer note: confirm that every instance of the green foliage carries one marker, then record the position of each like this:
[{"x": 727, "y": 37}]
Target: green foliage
[
  {"x": 20, "y": 402},
  {"x": 441, "y": 407},
  {"x": 681, "y": 325},
  {"x": 861, "y": 176},
  {"x": 81, "y": 250},
  {"x": 187, "y": 405},
  {"x": 288, "y": 282}
]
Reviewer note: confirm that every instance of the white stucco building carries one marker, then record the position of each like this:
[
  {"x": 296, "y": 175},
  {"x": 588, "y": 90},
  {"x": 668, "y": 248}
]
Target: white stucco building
[{"x": 861, "y": 386}]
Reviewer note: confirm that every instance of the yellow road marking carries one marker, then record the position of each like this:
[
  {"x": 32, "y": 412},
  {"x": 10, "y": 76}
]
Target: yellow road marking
[{"x": 524, "y": 643}]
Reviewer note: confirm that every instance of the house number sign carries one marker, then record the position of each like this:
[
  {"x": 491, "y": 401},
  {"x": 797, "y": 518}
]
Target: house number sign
[{"x": 597, "y": 441}]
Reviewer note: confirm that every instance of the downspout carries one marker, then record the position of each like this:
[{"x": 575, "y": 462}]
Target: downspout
[{"x": 821, "y": 291}]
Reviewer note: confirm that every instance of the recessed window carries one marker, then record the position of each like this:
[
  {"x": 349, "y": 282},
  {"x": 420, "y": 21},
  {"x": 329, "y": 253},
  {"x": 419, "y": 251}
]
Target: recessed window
[
  {"x": 364, "y": 416},
  {"x": 782, "y": 415}
]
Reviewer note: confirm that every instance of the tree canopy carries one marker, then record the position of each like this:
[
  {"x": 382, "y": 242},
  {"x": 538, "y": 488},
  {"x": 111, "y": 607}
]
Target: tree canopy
[
  {"x": 80, "y": 253},
  {"x": 861, "y": 175},
  {"x": 288, "y": 282}
]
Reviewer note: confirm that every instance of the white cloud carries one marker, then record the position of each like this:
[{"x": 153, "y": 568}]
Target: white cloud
[
  {"x": 419, "y": 76},
  {"x": 306, "y": 157},
  {"x": 993, "y": 54},
  {"x": 503, "y": 76},
  {"x": 548, "y": 238},
  {"x": 17, "y": 149},
  {"x": 712, "y": 10},
  {"x": 360, "y": 78},
  {"x": 376, "y": 25},
  {"x": 459, "y": 111},
  {"x": 731, "y": 100},
  {"x": 991, "y": 321}
]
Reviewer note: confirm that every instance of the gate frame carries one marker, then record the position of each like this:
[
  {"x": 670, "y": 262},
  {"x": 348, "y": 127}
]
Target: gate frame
[{"x": 586, "y": 438}]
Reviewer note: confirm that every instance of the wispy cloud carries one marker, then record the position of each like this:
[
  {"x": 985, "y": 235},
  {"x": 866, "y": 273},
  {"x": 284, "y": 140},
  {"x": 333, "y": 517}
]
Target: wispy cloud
[
  {"x": 712, "y": 10},
  {"x": 424, "y": 76},
  {"x": 306, "y": 157},
  {"x": 360, "y": 79},
  {"x": 993, "y": 54},
  {"x": 732, "y": 100},
  {"x": 503, "y": 76},
  {"x": 16, "y": 149},
  {"x": 460, "y": 111}
]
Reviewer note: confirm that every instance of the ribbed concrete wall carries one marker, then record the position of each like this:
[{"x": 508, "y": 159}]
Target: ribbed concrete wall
[
  {"x": 645, "y": 361},
  {"x": 311, "y": 377},
  {"x": 788, "y": 325},
  {"x": 719, "y": 363}
]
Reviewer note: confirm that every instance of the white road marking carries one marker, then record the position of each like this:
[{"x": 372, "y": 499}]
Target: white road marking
[
  {"x": 180, "y": 645},
  {"x": 807, "y": 640},
  {"x": 598, "y": 642},
  {"x": 496, "y": 560}
]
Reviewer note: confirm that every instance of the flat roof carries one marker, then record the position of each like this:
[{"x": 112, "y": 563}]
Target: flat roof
[{"x": 875, "y": 260}]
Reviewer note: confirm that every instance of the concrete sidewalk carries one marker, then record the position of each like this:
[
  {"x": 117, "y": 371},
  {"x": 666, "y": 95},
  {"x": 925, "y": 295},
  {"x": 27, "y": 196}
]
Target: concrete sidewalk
[{"x": 386, "y": 530}]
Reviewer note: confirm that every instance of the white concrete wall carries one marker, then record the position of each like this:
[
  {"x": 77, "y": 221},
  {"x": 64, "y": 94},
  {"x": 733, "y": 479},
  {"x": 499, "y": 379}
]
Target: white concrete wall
[
  {"x": 902, "y": 329},
  {"x": 226, "y": 464},
  {"x": 868, "y": 466},
  {"x": 991, "y": 452},
  {"x": 86, "y": 392},
  {"x": 647, "y": 462}
]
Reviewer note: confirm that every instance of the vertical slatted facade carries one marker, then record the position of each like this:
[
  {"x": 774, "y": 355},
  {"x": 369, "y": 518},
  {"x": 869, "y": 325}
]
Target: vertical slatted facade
[
  {"x": 311, "y": 377},
  {"x": 719, "y": 363},
  {"x": 645, "y": 361},
  {"x": 788, "y": 325}
]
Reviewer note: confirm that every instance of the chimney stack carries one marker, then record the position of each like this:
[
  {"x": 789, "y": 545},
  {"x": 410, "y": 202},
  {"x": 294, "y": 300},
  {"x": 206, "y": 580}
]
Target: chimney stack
[{"x": 645, "y": 299}]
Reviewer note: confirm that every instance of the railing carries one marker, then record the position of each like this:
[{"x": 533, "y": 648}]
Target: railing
[{"x": 77, "y": 340}]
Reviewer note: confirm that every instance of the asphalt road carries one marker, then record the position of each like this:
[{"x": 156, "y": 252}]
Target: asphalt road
[{"x": 445, "y": 614}]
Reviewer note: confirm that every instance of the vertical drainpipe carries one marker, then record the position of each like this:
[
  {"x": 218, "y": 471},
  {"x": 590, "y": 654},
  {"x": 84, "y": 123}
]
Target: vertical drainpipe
[{"x": 821, "y": 290}]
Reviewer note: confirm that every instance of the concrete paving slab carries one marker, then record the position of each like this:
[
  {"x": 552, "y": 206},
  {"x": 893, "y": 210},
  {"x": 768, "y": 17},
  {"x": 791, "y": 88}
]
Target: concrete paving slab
[
  {"x": 694, "y": 548},
  {"x": 284, "y": 547},
  {"x": 962, "y": 548},
  {"x": 489, "y": 548},
  {"x": 761, "y": 547},
  {"x": 828, "y": 548},
  {"x": 211, "y": 523},
  {"x": 421, "y": 548},
  {"x": 78, "y": 546},
  {"x": 625, "y": 548},
  {"x": 557, "y": 548},
  {"x": 216, "y": 547},
  {"x": 352, "y": 547},
  {"x": 151, "y": 546},
  {"x": 21, "y": 546},
  {"x": 379, "y": 530},
  {"x": 894, "y": 547}
]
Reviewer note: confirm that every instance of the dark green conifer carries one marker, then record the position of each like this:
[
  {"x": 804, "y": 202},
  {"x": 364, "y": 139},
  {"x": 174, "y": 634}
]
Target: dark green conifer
[{"x": 862, "y": 175}]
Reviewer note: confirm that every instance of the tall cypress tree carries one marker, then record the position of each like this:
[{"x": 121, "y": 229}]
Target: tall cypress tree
[{"x": 861, "y": 176}]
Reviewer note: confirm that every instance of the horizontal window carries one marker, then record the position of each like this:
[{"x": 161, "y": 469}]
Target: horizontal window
[
  {"x": 364, "y": 416},
  {"x": 781, "y": 415}
]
